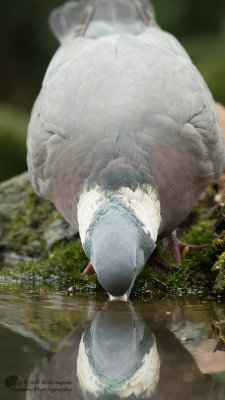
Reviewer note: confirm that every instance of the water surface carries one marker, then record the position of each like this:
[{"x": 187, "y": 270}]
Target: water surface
[{"x": 57, "y": 347}]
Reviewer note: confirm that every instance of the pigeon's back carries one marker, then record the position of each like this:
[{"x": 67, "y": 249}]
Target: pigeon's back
[{"x": 122, "y": 105}]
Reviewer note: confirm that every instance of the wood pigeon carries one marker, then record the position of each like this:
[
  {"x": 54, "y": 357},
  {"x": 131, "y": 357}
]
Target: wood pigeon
[{"x": 124, "y": 135}]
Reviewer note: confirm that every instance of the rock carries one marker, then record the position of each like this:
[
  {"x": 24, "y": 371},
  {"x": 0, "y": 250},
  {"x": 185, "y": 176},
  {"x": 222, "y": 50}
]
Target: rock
[{"x": 29, "y": 225}]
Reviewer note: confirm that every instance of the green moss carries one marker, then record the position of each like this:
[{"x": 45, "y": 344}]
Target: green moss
[
  {"x": 61, "y": 269},
  {"x": 219, "y": 267},
  {"x": 29, "y": 223},
  {"x": 53, "y": 216},
  {"x": 163, "y": 276},
  {"x": 221, "y": 329},
  {"x": 180, "y": 280},
  {"x": 200, "y": 233},
  {"x": 218, "y": 245},
  {"x": 194, "y": 271},
  {"x": 218, "y": 215},
  {"x": 218, "y": 329},
  {"x": 150, "y": 283},
  {"x": 200, "y": 260}
]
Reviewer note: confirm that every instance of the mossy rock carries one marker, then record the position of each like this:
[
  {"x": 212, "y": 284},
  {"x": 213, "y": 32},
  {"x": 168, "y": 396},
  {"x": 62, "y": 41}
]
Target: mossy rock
[
  {"x": 29, "y": 225},
  {"x": 218, "y": 328},
  {"x": 219, "y": 268}
]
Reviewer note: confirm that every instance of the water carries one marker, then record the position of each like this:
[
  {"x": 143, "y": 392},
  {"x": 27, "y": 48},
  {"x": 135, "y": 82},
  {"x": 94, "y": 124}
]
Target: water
[{"x": 57, "y": 347}]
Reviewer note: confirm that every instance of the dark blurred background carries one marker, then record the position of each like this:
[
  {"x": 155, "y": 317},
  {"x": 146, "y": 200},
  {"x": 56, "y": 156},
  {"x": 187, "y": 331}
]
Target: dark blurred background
[{"x": 27, "y": 46}]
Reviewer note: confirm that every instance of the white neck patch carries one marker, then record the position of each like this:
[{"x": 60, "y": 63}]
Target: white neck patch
[
  {"x": 144, "y": 204},
  {"x": 144, "y": 380},
  {"x": 89, "y": 202}
]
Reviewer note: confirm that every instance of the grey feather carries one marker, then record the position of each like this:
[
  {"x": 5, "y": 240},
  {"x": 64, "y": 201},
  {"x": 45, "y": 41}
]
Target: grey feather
[
  {"x": 134, "y": 97},
  {"x": 72, "y": 19}
]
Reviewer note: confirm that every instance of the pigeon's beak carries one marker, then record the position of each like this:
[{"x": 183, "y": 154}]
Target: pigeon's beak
[{"x": 122, "y": 298}]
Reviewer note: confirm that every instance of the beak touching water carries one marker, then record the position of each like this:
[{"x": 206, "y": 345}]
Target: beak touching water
[{"x": 122, "y": 298}]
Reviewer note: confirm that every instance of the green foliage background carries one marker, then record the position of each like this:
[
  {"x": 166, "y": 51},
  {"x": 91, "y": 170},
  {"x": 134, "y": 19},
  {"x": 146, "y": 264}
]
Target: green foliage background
[{"x": 27, "y": 46}]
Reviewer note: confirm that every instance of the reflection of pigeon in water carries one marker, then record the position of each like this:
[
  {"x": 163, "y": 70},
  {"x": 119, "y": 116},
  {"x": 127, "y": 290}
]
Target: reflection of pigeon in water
[
  {"x": 118, "y": 357},
  {"x": 124, "y": 135}
]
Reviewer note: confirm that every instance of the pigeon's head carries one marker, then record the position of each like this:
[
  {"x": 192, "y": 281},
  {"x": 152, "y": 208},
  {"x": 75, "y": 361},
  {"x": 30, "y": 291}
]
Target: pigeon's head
[
  {"x": 118, "y": 254},
  {"x": 118, "y": 231}
]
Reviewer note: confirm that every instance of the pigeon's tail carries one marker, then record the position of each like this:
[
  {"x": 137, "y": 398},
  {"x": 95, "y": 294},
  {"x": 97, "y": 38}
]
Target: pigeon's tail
[{"x": 73, "y": 18}]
